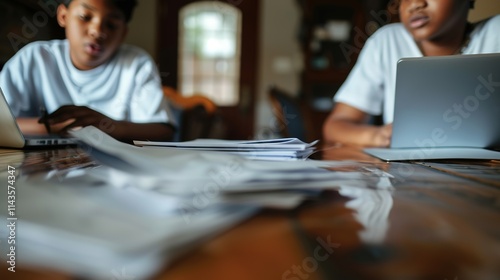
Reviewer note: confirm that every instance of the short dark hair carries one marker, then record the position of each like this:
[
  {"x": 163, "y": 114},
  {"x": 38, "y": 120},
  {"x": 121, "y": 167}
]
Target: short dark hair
[{"x": 125, "y": 6}]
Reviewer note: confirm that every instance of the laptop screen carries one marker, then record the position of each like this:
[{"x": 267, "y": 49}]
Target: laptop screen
[{"x": 448, "y": 101}]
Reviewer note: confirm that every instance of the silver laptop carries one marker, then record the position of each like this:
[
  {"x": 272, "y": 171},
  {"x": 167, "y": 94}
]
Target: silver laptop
[
  {"x": 446, "y": 107},
  {"x": 13, "y": 138}
]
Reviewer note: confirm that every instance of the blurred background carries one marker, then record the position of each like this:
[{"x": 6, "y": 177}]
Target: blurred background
[{"x": 235, "y": 51}]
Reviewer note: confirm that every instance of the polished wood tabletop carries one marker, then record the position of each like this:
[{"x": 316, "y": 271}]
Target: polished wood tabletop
[{"x": 436, "y": 220}]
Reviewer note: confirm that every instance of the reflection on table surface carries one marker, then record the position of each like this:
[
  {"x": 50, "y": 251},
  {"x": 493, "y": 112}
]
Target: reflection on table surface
[
  {"x": 424, "y": 220},
  {"x": 32, "y": 162}
]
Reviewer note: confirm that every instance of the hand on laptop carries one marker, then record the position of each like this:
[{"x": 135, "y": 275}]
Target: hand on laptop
[
  {"x": 71, "y": 116},
  {"x": 382, "y": 136},
  {"x": 33, "y": 126},
  {"x": 348, "y": 125}
]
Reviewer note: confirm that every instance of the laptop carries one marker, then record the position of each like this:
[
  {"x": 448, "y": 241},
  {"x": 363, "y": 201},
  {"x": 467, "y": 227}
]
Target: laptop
[
  {"x": 446, "y": 107},
  {"x": 12, "y": 136}
]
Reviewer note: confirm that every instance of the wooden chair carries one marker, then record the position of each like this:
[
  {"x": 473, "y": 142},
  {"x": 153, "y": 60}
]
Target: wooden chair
[
  {"x": 196, "y": 115},
  {"x": 291, "y": 115}
]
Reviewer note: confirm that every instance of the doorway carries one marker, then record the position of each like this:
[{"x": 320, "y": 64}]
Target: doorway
[{"x": 189, "y": 65}]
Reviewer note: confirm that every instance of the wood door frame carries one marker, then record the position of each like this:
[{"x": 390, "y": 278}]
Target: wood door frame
[{"x": 239, "y": 120}]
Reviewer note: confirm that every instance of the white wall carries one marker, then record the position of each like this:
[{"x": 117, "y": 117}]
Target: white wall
[
  {"x": 142, "y": 28},
  {"x": 279, "y": 57}
]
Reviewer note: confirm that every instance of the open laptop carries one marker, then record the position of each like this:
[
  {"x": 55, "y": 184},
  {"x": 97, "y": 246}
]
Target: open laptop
[
  {"x": 446, "y": 107},
  {"x": 13, "y": 138}
]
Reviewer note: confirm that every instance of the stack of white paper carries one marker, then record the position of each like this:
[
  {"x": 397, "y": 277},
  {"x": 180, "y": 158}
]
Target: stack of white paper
[
  {"x": 272, "y": 149},
  {"x": 193, "y": 172}
]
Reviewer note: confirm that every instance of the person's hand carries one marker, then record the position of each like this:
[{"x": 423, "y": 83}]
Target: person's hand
[
  {"x": 78, "y": 116},
  {"x": 382, "y": 136}
]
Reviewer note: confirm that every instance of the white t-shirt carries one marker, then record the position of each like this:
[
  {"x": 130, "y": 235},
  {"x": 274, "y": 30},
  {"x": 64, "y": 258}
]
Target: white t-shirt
[
  {"x": 371, "y": 84},
  {"x": 127, "y": 87}
]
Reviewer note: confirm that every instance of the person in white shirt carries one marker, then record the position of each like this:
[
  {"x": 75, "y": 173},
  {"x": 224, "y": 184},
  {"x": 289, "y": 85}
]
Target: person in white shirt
[
  {"x": 91, "y": 78},
  {"x": 427, "y": 28}
]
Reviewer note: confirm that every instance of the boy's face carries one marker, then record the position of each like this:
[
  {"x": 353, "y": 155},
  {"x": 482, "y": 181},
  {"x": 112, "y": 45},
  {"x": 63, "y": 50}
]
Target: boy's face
[
  {"x": 94, "y": 28},
  {"x": 433, "y": 20}
]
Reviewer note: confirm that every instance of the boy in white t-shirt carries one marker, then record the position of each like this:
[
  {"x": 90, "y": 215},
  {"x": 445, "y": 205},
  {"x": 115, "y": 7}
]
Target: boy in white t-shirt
[
  {"x": 91, "y": 78},
  {"x": 427, "y": 28}
]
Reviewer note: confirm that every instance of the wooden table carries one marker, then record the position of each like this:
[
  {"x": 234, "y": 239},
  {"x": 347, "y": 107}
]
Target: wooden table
[{"x": 440, "y": 220}]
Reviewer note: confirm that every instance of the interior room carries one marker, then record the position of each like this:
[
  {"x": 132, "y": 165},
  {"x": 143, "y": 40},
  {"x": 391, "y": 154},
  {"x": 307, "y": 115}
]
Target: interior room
[
  {"x": 284, "y": 45},
  {"x": 248, "y": 186},
  {"x": 281, "y": 53}
]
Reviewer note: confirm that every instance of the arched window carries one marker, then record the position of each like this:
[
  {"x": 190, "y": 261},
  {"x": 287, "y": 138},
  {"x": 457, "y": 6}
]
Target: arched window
[{"x": 209, "y": 51}]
